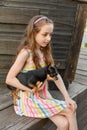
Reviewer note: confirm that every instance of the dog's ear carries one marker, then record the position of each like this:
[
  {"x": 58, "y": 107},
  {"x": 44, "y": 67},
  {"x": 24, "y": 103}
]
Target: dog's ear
[{"x": 52, "y": 71}]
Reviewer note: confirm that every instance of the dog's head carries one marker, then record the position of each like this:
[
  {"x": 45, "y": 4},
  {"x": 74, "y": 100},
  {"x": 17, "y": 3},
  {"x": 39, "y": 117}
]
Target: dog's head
[{"x": 52, "y": 71}]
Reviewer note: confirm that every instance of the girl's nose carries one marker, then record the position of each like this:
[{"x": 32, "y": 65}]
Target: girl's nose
[{"x": 48, "y": 38}]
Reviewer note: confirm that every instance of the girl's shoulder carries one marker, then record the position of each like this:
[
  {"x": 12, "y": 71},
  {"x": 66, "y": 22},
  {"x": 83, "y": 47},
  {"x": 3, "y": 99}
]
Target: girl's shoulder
[{"x": 25, "y": 52}]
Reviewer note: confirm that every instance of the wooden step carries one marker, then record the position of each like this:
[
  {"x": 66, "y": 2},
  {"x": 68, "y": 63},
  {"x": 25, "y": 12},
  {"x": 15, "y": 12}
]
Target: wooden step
[
  {"x": 10, "y": 121},
  {"x": 5, "y": 98}
]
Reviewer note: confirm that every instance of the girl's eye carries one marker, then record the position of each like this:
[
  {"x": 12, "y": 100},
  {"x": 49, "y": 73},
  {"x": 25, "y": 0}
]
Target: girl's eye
[
  {"x": 47, "y": 34},
  {"x": 44, "y": 34}
]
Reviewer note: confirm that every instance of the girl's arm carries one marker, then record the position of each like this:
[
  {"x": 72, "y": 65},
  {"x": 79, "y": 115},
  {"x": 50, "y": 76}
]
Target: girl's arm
[
  {"x": 15, "y": 69},
  {"x": 70, "y": 103},
  {"x": 60, "y": 84}
]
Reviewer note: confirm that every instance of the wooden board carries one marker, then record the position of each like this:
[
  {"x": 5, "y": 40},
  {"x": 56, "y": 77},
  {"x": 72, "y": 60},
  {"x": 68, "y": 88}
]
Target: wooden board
[
  {"x": 16, "y": 15},
  {"x": 8, "y": 46},
  {"x": 5, "y": 98},
  {"x": 10, "y": 121},
  {"x": 81, "y": 72}
]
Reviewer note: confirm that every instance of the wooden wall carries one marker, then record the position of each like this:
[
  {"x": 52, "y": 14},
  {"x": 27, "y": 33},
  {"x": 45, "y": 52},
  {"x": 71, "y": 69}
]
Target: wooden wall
[{"x": 14, "y": 16}]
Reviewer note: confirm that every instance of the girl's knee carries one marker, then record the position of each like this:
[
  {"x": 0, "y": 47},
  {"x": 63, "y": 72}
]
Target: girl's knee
[
  {"x": 65, "y": 124},
  {"x": 70, "y": 113},
  {"x": 60, "y": 121}
]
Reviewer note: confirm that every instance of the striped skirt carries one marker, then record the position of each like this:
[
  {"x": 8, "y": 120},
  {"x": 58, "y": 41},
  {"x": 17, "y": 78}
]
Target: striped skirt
[{"x": 35, "y": 106}]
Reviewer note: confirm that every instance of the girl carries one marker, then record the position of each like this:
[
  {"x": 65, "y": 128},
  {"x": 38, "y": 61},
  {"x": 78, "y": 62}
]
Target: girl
[{"x": 35, "y": 52}]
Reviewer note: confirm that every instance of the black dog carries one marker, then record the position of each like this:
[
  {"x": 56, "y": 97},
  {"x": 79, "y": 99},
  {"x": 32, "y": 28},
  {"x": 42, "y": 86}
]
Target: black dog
[{"x": 30, "y": 78}]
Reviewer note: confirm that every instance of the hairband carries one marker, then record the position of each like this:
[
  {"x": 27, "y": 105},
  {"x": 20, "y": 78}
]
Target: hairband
[{"x": 39, "y": 19}]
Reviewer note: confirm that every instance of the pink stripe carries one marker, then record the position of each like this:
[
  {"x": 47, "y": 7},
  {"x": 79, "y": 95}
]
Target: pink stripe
[
  {"x": 27, "y": 109},
  {"x": 47, "y": 105},
  {"x": 39, "y": 19},
  {"x": 28, "y": 106},
  {"x": 31, "y": 108},
  {"x": 44, "y": 91},
  {"x": 53, "y": 108},
  {"x": 46, "y": 95},
  {"x": 25, "y": 105},
  {"x": 34, "y": 110}
]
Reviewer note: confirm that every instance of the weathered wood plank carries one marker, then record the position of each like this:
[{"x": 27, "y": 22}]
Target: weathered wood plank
[
  {"x": 8, "y": 46},
  {"x": 6, "y": 61},
  {"x": 81, "y": 79},
  {"x": 83, "y": 52},
  {"x": 16, "y": 15},
  {"x": 32, "y": 3},
  {"x": 29, "y": 4},
  {"x": 81, "y": 72},
  {"x": 82, "y": 110},
  {"x": 74, "y": 89},
  {"x": 5, "y": 98},
  {"x": 82, "y": 67},
  {"x": 39, "y": 1},
  {"x": 9, "y": 36},
  {"x": 10, "y": 121},
  {"x": 83, "y": 56},
  {"x": 5, "y": 64},
  {"x": 82, "y": 61},
  {"x": 12, "y": 28},
  {"x": 2, "y": 77}
]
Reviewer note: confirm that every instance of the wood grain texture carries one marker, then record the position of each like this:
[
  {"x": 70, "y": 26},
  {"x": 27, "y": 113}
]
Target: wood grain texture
[{"x": 15, "y": 15}]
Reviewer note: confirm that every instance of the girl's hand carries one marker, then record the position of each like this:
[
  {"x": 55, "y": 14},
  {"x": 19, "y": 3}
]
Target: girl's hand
[
  {"x": 71, "y": 104},
  {"x": 33, "y": 90},
  {"x": 40, "y": 86}
]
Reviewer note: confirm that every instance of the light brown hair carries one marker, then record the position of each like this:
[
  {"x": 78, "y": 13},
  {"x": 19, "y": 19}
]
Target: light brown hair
[{"x": 29, "y": 42}]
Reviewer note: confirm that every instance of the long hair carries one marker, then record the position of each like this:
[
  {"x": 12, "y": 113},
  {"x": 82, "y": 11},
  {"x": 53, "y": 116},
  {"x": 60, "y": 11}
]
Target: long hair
[{"x": 28, "y": 40}]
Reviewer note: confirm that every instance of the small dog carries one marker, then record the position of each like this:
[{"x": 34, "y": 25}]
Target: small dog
[{"x": 33, "y": 78}]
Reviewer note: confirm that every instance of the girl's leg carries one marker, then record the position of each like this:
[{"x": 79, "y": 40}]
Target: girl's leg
[
  {"x": 71, "y": 117},
  {"x": 65, "y": 120},
  {"x": 60, "y": 121}
]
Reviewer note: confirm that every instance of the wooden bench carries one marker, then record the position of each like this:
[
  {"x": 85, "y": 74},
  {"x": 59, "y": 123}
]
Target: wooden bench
[{"x": 10, "y": 121}]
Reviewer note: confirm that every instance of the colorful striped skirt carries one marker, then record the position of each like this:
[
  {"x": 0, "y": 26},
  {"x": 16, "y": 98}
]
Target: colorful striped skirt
[{"x": 35, "y": 106}]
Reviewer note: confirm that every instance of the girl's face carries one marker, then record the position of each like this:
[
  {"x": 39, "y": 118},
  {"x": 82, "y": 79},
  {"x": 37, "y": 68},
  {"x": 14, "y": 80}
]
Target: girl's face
[{"x": 43, "y": 37}]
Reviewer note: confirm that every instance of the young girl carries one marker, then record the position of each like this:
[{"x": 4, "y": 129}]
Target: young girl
[{"x": 35, "y": 52}]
